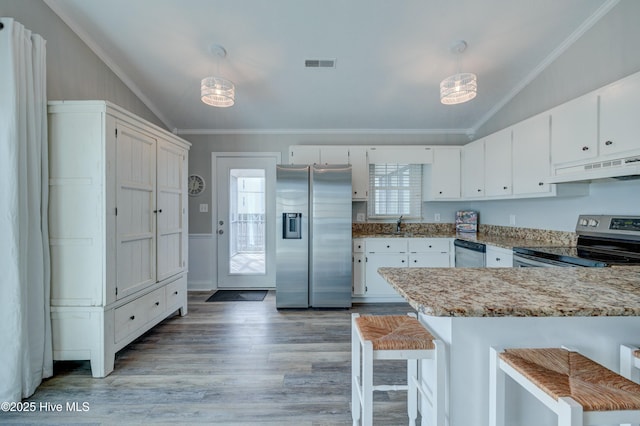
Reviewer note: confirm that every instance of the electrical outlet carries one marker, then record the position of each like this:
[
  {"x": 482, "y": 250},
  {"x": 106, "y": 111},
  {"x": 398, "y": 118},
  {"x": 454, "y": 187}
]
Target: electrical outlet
[
  {"x": 512, "y": 219},
  {"x": 360, "y": 217},
  {"x": 436, "y": 217},
  {"x": 204, "y": 208}
]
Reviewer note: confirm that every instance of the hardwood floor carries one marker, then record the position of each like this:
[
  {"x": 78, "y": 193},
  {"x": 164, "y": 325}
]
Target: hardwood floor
[{"x": 226, "y": 363}]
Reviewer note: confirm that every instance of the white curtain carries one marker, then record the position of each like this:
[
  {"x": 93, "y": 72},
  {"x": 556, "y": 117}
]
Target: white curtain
[{"x": 25, "y": 325}]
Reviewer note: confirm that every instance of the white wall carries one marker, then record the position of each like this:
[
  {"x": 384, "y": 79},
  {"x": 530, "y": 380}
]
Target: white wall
[{"x": 561, "y": 214}]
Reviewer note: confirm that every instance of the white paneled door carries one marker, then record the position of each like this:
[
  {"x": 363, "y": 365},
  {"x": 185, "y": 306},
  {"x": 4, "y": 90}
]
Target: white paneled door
[
  {"x": 171, "y": 209},
  {"x": 135, "y": 201},
  {"x": 244, "y": 222}
]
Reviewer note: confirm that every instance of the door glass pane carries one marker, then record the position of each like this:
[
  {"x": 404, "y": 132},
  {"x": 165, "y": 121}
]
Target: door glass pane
[{"x": 246, "y": 219}]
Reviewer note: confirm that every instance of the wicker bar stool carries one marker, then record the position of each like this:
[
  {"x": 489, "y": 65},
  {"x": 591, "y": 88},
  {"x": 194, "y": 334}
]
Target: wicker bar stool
[
  {"x": 630, "y": 362},
  {"x": 579, "y": 390},
  {"x": 395, "y": 337}
]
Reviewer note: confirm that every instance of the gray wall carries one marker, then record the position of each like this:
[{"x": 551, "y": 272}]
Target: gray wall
[
  {"x": 607, "y": 52},
  {"x": 74, "y": 72},
  {"x": 204, "y": 145}
]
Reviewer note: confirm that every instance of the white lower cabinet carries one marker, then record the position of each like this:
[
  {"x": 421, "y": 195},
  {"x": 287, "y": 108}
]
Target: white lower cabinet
[
  {"x": 498, "y": 257},
  {"x": 394, "y": 253},
  {"x": 117, "y": 229}
]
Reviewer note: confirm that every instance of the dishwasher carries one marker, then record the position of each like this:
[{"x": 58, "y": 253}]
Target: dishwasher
[{"x": 469, "y": 254}]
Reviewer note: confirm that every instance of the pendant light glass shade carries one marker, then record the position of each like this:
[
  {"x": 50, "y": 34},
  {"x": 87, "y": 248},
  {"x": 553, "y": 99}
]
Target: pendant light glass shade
[
  {"x": 458, "y": 88},
  {"x": 217, "y": 92}
]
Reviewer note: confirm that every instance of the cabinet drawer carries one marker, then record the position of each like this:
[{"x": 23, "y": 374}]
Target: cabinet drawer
[
  {"x": 429, "y": 260},
  {"x": 420, "y": 245},
  {"x": 358, "y": 245},
  {"x": 386, "y": 245},
  {"x": 137, "y": 313},
  {"x": 176, "y": 293}
]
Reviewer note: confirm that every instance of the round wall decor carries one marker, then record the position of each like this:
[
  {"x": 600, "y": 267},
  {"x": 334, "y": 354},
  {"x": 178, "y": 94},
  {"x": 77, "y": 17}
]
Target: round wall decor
[{"x": 196, "y": 185}]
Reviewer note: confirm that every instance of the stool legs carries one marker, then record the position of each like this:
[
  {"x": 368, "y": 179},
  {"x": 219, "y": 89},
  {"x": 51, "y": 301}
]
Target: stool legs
[
  {"x": 412, "y": 390},
  {"x": 356, "y": 403},
  {"x": 496, "y": 390}
]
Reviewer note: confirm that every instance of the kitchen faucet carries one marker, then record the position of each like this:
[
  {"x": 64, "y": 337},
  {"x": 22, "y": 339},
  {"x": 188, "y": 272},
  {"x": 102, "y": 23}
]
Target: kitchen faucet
[{"x": 398, "y": 223}]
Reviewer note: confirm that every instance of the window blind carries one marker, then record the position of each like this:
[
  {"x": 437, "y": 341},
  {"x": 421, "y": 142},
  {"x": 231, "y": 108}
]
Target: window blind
[{"x": 394, "y": 190}]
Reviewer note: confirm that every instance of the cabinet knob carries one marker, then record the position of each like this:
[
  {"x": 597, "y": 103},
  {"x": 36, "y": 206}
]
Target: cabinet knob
[
  {"x": 402, "y": 260},
  {"x": 504, "y": 187},
  {"x": 440, "y": 192},
  {"x": 479, "y": 190},
  {"x": 585, "y": 148},
  {"x": 497, "y": 259},
  {"x": 132, "y": 317},
  {"x": 430, "y": 246},
  {"x": 540, "y": 183},
  {"x": 415, "y": 261},
  {"x": 158, "y": 211},
  {"x": 157, "y": 303},
  {"x": 175, "y": 292},
  {"x": 608, "y": 143},
  {"x": 388, "y": 246}
]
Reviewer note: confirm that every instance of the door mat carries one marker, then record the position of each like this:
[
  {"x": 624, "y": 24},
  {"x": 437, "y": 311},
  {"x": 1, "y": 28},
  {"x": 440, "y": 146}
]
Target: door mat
[{"x": 238, "y": 296}]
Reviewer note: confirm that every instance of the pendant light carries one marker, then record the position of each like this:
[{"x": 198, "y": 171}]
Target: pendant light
[
  {"x": 460, "y": 87},
  {"x": 218, "y": 91}
]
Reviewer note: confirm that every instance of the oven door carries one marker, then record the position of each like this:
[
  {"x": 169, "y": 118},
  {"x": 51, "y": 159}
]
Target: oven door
[{"x": 525, "y": 261}]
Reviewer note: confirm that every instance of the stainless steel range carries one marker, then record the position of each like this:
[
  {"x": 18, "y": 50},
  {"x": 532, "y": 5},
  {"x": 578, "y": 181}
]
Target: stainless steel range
[{"x": 603, "y": 240}]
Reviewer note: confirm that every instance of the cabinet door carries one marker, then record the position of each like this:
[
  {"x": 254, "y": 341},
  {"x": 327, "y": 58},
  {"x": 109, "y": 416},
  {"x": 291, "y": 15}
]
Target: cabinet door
[
  {"x": 171, "y": 175},
  {"x": 136, "y": 205},
  {"x": 498, "y": 257},
  {"x": 473, "y": 169},
  {"x": 531, "y": 157},
  {"x": 619, "y": 124},
  {"x": 574, "y": 130},
  {"x": 386, "y": 245},
  {"x": 445, "y": 173},
  {"x": 497, "y": 178},
  {"x": 359, "y": 172},
  {"x": 358, "y": 274},
  {"x": 334, "y": 155},
  {"x": 376, "y": 285},
  {"x": 304, "y": 154}
]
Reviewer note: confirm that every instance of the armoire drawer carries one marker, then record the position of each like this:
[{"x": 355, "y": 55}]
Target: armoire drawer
[
  {"x": 137, "y": 313},
  {"x": 176, "y": 292}
]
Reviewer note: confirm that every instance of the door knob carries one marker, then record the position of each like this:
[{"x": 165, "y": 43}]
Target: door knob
[
  {"x": 220, "y": 231},
  {"x": 221, "y": 222}
]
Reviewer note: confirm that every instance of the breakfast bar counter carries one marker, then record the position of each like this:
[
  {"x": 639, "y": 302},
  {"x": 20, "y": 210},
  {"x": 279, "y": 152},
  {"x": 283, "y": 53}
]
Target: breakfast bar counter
[{"x": 592, "y": 310}]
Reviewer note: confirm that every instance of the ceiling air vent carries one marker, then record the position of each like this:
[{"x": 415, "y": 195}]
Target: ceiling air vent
[{"x": 320, "y": 63}]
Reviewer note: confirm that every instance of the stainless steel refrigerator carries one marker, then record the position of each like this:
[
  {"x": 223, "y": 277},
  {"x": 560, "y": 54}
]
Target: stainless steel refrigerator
[{"x": 313, "y": 206}]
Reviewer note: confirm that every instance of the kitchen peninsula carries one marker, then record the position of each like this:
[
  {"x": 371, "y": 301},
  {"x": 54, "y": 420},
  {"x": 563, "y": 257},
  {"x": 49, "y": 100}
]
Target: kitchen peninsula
[{"x": 593, "y": 310}]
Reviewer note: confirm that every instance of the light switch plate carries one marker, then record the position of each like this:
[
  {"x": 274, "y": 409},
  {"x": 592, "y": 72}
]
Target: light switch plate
[
  {"x": 512, "y": 219},
  {"x": 436, "y": 217},
  {"x": 204, "y": 208}
]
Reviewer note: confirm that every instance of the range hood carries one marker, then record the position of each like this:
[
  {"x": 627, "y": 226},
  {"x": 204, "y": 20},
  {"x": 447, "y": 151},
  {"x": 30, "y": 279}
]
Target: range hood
[{"x": 624, "y": 168}]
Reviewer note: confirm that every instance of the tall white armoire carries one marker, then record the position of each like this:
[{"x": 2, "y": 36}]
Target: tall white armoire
[{"x": 117, "y": 227}]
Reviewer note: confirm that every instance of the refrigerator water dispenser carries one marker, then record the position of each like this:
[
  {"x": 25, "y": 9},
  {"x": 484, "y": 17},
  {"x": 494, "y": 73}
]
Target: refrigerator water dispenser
[{"x": 292, "y": 226}]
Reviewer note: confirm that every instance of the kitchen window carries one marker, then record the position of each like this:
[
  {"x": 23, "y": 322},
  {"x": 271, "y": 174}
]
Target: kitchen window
[{"x": 395, "y": 190}]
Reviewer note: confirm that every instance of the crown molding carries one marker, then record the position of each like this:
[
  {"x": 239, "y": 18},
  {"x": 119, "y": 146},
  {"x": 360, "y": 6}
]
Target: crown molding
[{"x": 418, "y": 132}]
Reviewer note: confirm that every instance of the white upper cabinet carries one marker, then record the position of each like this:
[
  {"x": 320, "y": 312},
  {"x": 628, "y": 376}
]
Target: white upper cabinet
[
  {"x": 404, "y": 154},
  {"x": 443, "y": 176},
  {"x": 334, "y": 155},
  {"x": 304, "y": 154},
  {"x": 473, "y": 169},
  {"x": 359, "y": 172},
  {"x": 497, "y": 179},
  {"x": 574, "y": 130},
  {"x": 531, "y": 155},
  {"x": 619, "y": 123}
]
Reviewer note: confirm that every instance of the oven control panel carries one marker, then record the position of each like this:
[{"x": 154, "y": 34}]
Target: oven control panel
[{"x": 608, "y": 224}]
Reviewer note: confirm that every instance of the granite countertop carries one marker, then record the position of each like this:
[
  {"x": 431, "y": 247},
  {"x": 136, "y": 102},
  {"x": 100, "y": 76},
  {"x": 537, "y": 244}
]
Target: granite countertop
[
  {"x": 500, "y": 236},
  {"x": 519, "y": 292},
  {"x": 506, "y": 242}
]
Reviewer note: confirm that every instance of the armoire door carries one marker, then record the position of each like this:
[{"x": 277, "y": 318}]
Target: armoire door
[
  {"x": 135, "y": 204},
  {"x": 171, "y": 208}
]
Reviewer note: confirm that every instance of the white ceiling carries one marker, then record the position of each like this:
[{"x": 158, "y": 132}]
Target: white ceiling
[{"x": 390, "y": 58}]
